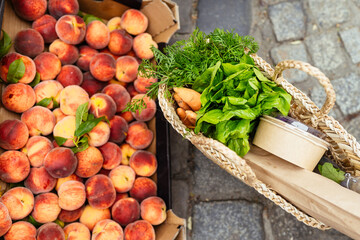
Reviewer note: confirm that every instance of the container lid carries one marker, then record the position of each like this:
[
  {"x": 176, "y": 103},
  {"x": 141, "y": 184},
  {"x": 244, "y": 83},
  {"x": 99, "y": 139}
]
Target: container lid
[{"x": 297, "y": 131}]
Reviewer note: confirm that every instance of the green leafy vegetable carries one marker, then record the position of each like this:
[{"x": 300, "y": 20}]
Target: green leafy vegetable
[
  {"x": 329, "y": 171},
  {"x": 44, "y": 102},
  {"x": 60, "y": 140},
  {"x": 16, "y": 71},
  {"x": 5, "y": 44},
  {"x": 36, "y": 80}
]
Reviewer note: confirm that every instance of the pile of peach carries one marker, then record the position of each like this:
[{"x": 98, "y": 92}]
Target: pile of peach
[{"x": 105, "y": 191}]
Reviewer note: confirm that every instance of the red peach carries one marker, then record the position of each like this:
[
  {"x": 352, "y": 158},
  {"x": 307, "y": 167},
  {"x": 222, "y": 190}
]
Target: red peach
[
  {"x": 18, "y": 97},
  {"x": 48, "y": 89},
  {"x": 91, "y": 216},
  {"x": 40, "y": 181},
  {"x": 102, "y": 105},
  {"x": 125, "y": 211},
  {"x": 13, "y": 134},
  {"x": 127, "y": 151},
  {"x": 97, "y": 35},
  {"x": 71, "y": 29},
  {"x": 36, "y": 149},
  {"x": 126, "y": 69},
  {"x": 71, "y": 97},
  {"x": 123, "y": 178},
  {"x": 14, "y": 166},
  {"x": 99, "y": 135},
  {"x": 72, "y": 177},
  {"x": 142, "y": 84},
  {"x": 144, "y": 163},
  {"x": 29, "y": 10},
  {"x": 65, "y": 128},
  {"x": 106, "y": 50},
  {"x": 104, "y": 171},
  {"x": 48, "y": 65},
  {"x": 139, "y": 230},
  {"x": 91, "y": 85},
  {"x": 59, "y": 115},
  {"x": 86, "y": 54},
  {"x": 142, "y": 46},
  {"x": 112, "y": 155},
  {"x": 58, "y": 8},
  {"x": 30, "y": 68},
  {"x": 39, "y": 120},
  {"x": 153, "y": 209},
  {"x": 139, "y": 136},
  {"x": 46, "y": 208},
  {"x": 77, "y": 231},
  {"x": 132, "y": 91},
  {"x": 107, "y": 229},
  {"x": 71, "y": 195},
  {"x": 50, "y": 231},
  {"x": 118, "y": 129},
  {"x": 120, "y": 42},
  {"x": 21, "y": 231},
  {"x": 67, "y": 53},
  {"x": 127, "y": 116},
  {"x": 100, "y": 191},
  {"x": 45, "y": 25},
  {"x": 121, "y": 196},
  {"x": 19, "y": 201},
  {"x": 119, "y": 94},
  {"x": 5, "y": 220},
  {"x": 103, "y": 67},
  {"x": 134, "y": 22},
  {"x": 150, "y": 108},
  {"x": 29, "y": 42},
  {"x": 70, "y": 216},
  {"x": 114, "y": 23},
  {"x": 90, "y": 162},
  {"x": 60, "y": 162},
  {"x": 143, "y": 188},
  {"x": 70, "y": 75}
]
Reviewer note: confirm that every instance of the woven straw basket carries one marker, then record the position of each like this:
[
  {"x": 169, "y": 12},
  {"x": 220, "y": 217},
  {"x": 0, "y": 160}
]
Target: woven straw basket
[{"x": 344, "y": 149}]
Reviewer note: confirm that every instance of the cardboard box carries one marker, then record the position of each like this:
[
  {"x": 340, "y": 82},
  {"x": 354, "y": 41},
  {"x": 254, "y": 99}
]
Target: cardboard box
[{"x": 163, "y": 23}]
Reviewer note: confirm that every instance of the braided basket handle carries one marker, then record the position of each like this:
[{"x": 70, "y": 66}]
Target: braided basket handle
[{"x": 313, "y": 71}]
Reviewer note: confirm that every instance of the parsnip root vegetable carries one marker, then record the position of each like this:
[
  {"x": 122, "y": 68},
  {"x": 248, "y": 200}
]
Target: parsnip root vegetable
[
  {"x": 190, "y": 97},
  {"x": 181, "y": 102}
]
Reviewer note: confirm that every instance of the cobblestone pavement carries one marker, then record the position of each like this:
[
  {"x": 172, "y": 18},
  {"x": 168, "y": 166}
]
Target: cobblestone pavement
[{"x": 324, "y": 33}]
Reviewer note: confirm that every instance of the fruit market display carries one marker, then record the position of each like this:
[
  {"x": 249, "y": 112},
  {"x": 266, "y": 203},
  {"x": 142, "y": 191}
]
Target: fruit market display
[{"x": 76, "y": 164}]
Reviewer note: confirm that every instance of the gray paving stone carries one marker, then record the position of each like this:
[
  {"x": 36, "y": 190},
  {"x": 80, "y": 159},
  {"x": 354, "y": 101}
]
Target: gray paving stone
[
  {"x": 285, "y": 227},
  {"x": 291, "y": 52},
  {"x": 187, "y": 23},
  {"x": 357, "y": 2},
  {"x": 353, "y": 128},
  {"x": 180, "y": 152},
  {"x": 214, "y": 183},
  {"x": 347, "y": 94},
  {"x": 230, "y": 220},
  {"x": 288, "y": 20},
  {"x": 326, "y": 52},
  {"x": 229, "y": 14},
  {"x": 351, "y": 39},
  {"x": 180, "y": 196},
  {"x": 328, "y": 13}
]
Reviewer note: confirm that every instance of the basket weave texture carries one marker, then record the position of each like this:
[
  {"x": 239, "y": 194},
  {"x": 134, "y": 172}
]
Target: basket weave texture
[{"x": 344, "y": 149}]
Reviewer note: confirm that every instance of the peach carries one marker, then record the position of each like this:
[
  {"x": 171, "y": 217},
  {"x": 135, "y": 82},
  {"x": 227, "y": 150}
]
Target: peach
[
  {"x": 50, "y": 231},
  {"x": 65, "y": 128},
  {"x": 145, "y": 114},
  {"x": 77, "y": 231},
  {"x": 46, "y": 208},
  {"x": 71, "y": 29},
  {"x": 48, "y": 65},
  {"x": 5, "y": 219},
  {"x": 14, "y": 134},
  {"x": 142, "y": 46},
  {"x": 118, "y": 129},
  {"x": 67, "y": 53},
  {"x": 139, "y": 136},
  {"x": 36, "y": 149},
  {"x": 86, "y": 54},
  {"x": 71, "y": 97},
  {"x": 90, "y": 216},
  {"x": 45, "y": 25},
  {"x": 30, "y": 68},
  {"x": 72, "y": 177},
  {"x": 29, "y": 42},
  {"x": 126, "y": 69},
  {"x": 132, "y": 91},
  {"x": 119, "y": 94},
  {"x": 114, "y": 23},
  {"x": 102, "y": 105},
  {"x": 60, "y": 162},
  {"x": 134, "y": 22},
  {"x": 29, "y": 10},
  {"x": 71, "y": 195},
  {"x": 59, "y": 115},
  {"x": 19, "y": 201},
  {"x": 70, "y": 75},
  {"x": 127, "y": 151},
  {"x": 40, "y": 181},
  {"x": 21, "y": 231},
  {"x": 107, "y": 229},
  {"x": 14, "y": 166},
  {"x": 144, "y": 163},
  {"x": 123, "y": 178},
  {"x": 39, "y": 120},
  {"x": 127, "y": 116},
  {"x": 143, "y": 188},
  {"x": 104, "y": 171},
  {"x": 100, "y": 191},
  {"x": 91, "y": 85},
  {"x": 106, "y": 50},
  {"x": 139, "y": 230},
  {"x": 141, "y": 84},
  {"x": 112, "y": 155},
  {"x": 97, "y": 34},
  {"x": 153, "y": 209},
  {"x": 121, "y": 196},
  {"x": 120, "y": 42},
  {"x": 103, "y": 67},
  {"x": 70, "y": 216},
  {"x": 48, "y": 89},
  {"x": 58, "y": 8},
  {"x": 18, "y": 97},
  {"x": 99, "y": 135},
  {"x": 125, "y": 211},
  {"x": 90, "y": 162}
]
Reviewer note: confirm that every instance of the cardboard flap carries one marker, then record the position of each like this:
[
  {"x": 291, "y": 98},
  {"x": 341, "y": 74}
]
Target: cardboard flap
[{"x": 171, "y": 228}]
